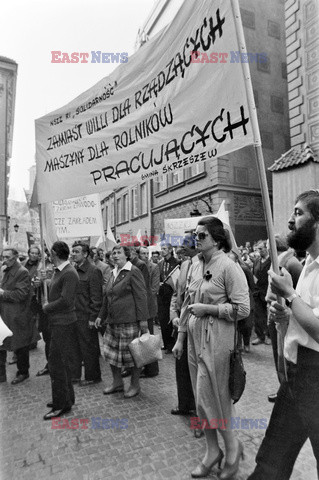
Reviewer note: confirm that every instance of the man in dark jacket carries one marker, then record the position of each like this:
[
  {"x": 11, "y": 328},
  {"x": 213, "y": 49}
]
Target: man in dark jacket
[
  {"x": 61, "y": 314},
  {"x": 260, "y": 271},
  {"x": 87, "y": 306},
  {"x": 32, "y": 264},
  {"x": 135, "y": 260},
  {"x": 15, "y": 312},
  {"x": 152, "y": 369},
  {"x": 165, "y": 295}
]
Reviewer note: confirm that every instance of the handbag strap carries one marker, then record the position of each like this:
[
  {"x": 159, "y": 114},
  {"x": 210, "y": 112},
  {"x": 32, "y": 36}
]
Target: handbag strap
[{"x": 235, "y": 311}]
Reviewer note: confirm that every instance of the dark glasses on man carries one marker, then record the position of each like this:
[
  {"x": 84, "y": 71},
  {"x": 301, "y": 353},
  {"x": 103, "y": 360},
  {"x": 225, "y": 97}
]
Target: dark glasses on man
[{"x": 201, "y": 235}]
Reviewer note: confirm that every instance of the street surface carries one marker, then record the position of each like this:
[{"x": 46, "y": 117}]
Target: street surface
[{"x": 125, "y": 439}]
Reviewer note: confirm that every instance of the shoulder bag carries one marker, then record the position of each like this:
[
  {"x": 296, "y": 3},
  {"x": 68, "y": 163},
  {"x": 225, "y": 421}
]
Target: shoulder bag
[{"x": 237, "y": 374}]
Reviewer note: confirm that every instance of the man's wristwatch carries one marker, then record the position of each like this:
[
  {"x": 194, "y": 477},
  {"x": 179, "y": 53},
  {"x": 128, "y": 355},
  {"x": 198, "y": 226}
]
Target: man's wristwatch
[{"x": 291, "y": 298}]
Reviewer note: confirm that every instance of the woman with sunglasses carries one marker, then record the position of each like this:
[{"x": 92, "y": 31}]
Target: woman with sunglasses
[{"x": 215, "y": 284}]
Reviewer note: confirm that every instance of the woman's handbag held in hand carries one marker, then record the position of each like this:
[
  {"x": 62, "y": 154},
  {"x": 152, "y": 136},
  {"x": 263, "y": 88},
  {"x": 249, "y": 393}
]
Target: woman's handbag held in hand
[
  {"x": 237, "y": 374},
  {"x": 146, "y": 349}
]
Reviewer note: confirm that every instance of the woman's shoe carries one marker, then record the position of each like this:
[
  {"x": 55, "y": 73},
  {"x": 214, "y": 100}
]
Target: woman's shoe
[
  {"x": 113, "y": 389},
  {"x": 132, "y": 392},
  {"x": 198, "y": 433},
  {"x": 247, "y": 349},
  {"x": 230, "y": 470},
  {"x": 202, "y": 471}
]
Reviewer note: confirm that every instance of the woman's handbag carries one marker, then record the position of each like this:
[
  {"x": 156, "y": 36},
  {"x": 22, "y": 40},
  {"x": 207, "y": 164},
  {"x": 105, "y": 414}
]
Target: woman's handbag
[
  {"x": 146, "y": 349},
  {"x": 237, "y": 374}
]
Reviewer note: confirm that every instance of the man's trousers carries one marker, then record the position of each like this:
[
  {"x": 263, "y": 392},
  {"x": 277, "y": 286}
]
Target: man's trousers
[
  {"x": 61, "y": 345},
  {"x": 294, "y": 419},
  {"x": 186, "y": 400},
  {"x": 23, "y": 364},
  {"x": 86, "y": 348},
  {"x": 151, "y": 370}
]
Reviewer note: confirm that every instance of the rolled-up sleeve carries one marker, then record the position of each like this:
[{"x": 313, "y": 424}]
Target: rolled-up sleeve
[{"x": 237, "y": 292}]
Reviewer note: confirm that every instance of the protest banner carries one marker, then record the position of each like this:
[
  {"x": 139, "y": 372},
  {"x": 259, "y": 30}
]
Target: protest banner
[
  {"x": 166, "y": 109},
  {"x": 78, "y": 217}
]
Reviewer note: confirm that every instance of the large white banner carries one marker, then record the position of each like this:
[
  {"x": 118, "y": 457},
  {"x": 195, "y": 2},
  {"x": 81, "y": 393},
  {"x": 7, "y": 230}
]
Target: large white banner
[{"x": 166, "y": 109}]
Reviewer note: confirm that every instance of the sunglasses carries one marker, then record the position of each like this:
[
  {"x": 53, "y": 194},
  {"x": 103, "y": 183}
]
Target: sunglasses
[{"x": 201, "y": 235}]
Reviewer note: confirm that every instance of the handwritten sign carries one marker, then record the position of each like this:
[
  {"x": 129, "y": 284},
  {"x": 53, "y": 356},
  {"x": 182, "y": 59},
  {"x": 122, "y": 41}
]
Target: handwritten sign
[
  {"x": 78, "y": 217},
  {"x": 166, "y": 109}
]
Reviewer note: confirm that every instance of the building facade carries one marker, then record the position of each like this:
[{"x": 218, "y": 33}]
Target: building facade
[
  {"x": 200, "y": 189},
  {"x": 8, "y": 79},
  {"x": 298, "y": 169}
]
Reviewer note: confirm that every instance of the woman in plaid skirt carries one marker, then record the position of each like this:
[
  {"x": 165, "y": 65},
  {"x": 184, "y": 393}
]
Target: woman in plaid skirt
[{"x": 125, "y": 313}]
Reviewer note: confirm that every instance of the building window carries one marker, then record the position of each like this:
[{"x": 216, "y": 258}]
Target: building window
[
  {"x": 178, "y": 177},
  {"x": 125, "y": 208},
  {"x": 143, "y": 198},
  {"x": 134, "y": 203},
  {"x": 241, "y": 175},
  {"x": 112, "y": 213},
  {"x": 160, "y": 183},
  {"x": 274, "y": 29},
  {"x": 248, "y": 18},
  {"x": 106, "y": 217},
  {"x": 119, "y": 210},
  {"x": 198, "y": 168},
  {"x": 263, "y": 63},
  {"x": 103, "y": 209},
  {"x": 277, "y": 104}
]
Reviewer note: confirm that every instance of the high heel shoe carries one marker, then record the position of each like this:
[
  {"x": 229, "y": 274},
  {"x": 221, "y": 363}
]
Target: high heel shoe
[
  {"x": 202, "y": 471},
  {"x": 230, "y": 470}
]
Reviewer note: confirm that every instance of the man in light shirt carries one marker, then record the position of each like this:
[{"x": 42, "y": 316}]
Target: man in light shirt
[{"x": 295, "y": 415}]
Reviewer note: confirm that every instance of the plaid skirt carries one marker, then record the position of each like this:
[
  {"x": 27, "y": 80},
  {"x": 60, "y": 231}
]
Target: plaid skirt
[{"x": 117, "y": 337}]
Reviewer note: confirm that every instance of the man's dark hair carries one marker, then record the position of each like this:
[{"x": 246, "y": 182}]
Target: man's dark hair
[
  {"x": 126, "y": 250},
  {"x": 61, "y": 249},
  {"x": 84, "y": 246},
  {"x": 13, "y": 250},
  {"x": 311, "y": 199}
]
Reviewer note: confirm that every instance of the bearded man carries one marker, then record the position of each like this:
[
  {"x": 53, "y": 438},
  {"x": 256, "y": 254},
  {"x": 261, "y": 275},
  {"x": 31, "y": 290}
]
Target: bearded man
[{"x": 295, "y": 417}]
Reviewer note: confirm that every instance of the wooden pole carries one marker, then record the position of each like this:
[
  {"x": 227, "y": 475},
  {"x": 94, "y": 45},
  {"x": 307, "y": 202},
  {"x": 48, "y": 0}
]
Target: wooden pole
[
  {"x": 257, "y": 146},
  {"x": 45, "y": 288},
  {"x": 260, "y": 164}
]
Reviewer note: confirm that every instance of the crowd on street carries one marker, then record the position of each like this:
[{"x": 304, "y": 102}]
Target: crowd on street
[{"x": 195, "y": 294}]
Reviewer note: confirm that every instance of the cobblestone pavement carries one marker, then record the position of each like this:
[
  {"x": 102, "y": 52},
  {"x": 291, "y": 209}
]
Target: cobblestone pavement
[{"x": 155, "y": 444}]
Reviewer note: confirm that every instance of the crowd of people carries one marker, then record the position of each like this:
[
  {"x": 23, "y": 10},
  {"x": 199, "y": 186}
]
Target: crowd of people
[{"x": 83, "y": 293}]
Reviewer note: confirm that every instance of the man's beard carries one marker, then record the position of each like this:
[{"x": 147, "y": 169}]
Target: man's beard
[{"x": 303, "y": 237}]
